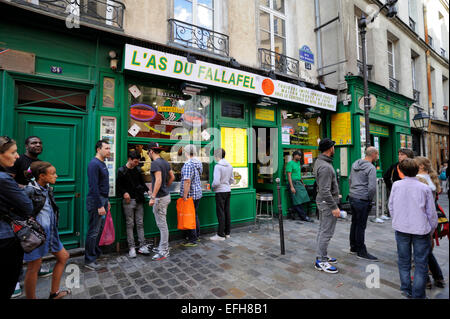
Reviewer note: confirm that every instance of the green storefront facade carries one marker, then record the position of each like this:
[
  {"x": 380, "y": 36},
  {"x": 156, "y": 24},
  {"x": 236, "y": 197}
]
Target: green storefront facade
[
  {"x": 66, "y": 93},
  {"x": 389, "y": 128}
]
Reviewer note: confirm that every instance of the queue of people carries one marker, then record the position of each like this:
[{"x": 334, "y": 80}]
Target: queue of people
[{"x": 412, "y": 183}]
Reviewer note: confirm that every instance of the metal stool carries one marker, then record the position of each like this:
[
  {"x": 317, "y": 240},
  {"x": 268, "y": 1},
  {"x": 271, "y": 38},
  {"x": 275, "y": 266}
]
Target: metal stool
[{"x": 267, "y": 214}]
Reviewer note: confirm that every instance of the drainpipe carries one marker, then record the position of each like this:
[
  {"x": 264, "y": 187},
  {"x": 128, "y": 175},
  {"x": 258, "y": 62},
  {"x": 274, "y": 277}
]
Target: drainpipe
[
  {"x": 318, "y": 37},
  {"x": 427, "y": 60}
]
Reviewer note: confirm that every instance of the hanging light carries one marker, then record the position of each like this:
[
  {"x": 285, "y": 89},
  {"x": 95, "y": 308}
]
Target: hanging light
[{"x": 421, "y": 120}]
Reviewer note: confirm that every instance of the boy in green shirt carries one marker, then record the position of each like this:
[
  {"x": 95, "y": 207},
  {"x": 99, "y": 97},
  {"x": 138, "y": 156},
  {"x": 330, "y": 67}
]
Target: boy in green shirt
[{"x": 298, "y": 192}]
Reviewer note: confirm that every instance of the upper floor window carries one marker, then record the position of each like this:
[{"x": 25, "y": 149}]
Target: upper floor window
[
  {"x": 197, "y": 12},
  {"x": 430, "y": 41},
  {"x": 272, "y": 25},
  {"x": 391, "y": 59}
]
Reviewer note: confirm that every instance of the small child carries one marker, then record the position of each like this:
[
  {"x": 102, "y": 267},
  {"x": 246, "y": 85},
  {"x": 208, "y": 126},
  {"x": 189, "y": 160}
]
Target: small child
[{"x": 46, "y": 213}]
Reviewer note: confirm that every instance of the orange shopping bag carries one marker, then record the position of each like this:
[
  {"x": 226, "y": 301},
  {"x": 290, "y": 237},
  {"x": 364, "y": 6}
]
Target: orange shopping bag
[{"x": 186, "y": 214}]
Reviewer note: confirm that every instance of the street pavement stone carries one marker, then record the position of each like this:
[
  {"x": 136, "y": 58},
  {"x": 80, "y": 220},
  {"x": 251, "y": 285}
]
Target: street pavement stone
[{"x": 249, "y": 265}]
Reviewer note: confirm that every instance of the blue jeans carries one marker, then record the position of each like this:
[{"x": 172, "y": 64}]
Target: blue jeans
[
  {"x": 195, "y": 233},
  {"x": 96, "y": 223},
  {"x": 421, "y": 245},
  {"x": 360, "y": 212}
]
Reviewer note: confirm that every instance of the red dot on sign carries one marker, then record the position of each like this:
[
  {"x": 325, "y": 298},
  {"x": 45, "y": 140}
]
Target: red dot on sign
[{"x": 267, "y": 86}]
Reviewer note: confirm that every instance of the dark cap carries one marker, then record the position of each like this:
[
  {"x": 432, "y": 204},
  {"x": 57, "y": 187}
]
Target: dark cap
[
  {"x": 154, "y": 146},
  {"x": 326, "y": 144}
]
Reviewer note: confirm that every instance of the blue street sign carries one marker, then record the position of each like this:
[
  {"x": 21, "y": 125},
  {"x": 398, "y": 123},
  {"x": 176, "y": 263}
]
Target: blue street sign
[{"x": 306, "y": 54}]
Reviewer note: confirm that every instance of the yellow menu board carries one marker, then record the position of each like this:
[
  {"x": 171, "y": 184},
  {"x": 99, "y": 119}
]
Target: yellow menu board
[
  {"x": 234, "y": 142},
  {"x": 341, "y": 129},
  {"x": 264, "y": 114}
]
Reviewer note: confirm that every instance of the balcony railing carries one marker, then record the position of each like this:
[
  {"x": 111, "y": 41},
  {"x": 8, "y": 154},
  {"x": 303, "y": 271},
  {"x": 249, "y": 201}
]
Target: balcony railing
[
  {"x": 361, "y": 70},
  {"x": 416, "y": 95},
  {"x": 100, "y": 12},
  {"x": 270, "y": 60},
  {"x": 393, "y": 84},
  {"x": 199, "y": 38}
]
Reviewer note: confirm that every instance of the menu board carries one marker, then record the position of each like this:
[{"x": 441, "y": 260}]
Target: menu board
[
  {"x": 341, "y": 130},
  {"x": 233, "y": 110},
  {"x": 108, "y": 130},
  {"x": 264, "y": 114},
  {"x": 234, "y": 142}
]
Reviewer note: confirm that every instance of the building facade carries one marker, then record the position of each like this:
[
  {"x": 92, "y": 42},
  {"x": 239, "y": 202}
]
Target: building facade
[{"x": 231, "y": 74}]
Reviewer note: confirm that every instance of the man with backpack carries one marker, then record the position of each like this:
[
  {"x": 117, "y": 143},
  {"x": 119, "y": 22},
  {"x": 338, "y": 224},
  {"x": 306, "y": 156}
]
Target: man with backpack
[{"x": 131, "y": 188}]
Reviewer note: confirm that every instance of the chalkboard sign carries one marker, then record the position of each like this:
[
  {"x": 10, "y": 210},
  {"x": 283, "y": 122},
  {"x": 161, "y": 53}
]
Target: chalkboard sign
[{"x": 233, "y": 110}]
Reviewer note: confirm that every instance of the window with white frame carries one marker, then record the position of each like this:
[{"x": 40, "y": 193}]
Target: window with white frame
[
  {"x": 413, "y": 72},
  {"x": 358, "y": 41},
  {"x": 197, "y": 12},
  {"x": 391, "y": 59},
  {"x": 272, "y": 25}
]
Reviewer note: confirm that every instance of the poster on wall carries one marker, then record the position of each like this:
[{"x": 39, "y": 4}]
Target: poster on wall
[
  {"x": 108, "y": 131},
  {"x": 409, "y": 141},
  {"x": 341, "y": 130},
  {"x": 240, "y": 175},
  {"x": 234, "y": 141},
  {"x": 402, "y": 140}
]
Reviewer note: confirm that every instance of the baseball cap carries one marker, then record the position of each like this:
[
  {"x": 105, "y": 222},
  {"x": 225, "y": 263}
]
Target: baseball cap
[
  {"x": 326, "y": 144},
  {"x": 154, "y": 146}
]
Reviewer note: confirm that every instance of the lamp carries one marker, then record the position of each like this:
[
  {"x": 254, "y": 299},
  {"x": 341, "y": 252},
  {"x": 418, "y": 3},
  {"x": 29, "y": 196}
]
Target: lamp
[
  {"x": 234, "y": 63},
  {"x": 272, "y": 75},
  {"x": 421, "y": 120},
  {"x": 113, "y": 60},
  {"x": 265, "y": 101},
  {"x": 302, "y": 84},
  {"x": 191, "y": 89}
]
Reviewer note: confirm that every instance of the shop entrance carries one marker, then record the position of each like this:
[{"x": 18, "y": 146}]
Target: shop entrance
[
  {"x": 384, "y": 146},
  {"x": 56, "y": 116},
  {"x": 266, "y": 165}
]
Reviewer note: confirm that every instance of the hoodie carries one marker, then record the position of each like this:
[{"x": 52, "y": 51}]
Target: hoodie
[
  {"x": 363, "y": 180},
  {"x": 327, "y": 186},
  {"x": 223, "y": 177}
]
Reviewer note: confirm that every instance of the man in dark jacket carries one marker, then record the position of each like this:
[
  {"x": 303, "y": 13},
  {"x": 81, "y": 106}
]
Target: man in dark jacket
[
  {"x": 327, "y": 203},
  {"x": 363, "y": 188},
  {"x": 131, "y": 188},
  {"x": 393, "y": 174}
]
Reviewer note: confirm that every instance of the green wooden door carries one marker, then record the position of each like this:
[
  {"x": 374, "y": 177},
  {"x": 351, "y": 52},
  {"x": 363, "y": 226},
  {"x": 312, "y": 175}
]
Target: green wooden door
[{"x": 62, "y": 138}]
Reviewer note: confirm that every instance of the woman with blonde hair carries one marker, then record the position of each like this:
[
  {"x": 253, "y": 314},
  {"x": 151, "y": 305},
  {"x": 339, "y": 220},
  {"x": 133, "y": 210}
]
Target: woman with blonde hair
[{"x": 428, "y": 175}]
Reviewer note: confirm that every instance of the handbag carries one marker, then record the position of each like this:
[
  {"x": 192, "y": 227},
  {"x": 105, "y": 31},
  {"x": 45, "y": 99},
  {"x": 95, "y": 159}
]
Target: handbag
[
  {"x": 29, "y": 232},
  {"x": 186, "y": 214},
  {"x": 443, "y": 176},
  {"x": 108, "y": 235}
]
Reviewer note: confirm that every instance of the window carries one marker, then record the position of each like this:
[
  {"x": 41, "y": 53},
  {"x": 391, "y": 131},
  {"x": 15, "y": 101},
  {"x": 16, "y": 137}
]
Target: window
[
  {"x": 272, "y": 25},
  {"x": 197, "y": 12},
  {"x": 301, "y": 128},
  {"x": 412, "y": 24},
  {"x": 430, "y": 41},
  {"x": 412, "y": 9},
  {"x": 391, "y": 59},
  {"x": 166, "y": 114},
  {"x": 358, "y": 41},
  {"x": 413, "y": 72},
  {"x": 174, "y": 155}
]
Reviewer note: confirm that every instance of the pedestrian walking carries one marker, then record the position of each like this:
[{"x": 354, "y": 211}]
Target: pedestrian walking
[
  {"x": 363, "y": 188},
  {"x": 162, "y": 178},
  {"x": 414, "y": 218},
  {"x": 97, "y": 203},
  {"x": 13, "y": 200},
  {"x": 297, "y": 189},
  {"x": 191, "y": 188},
  {"x": 327, "y": 203},
  {"x": 223, "y": 178},
  {"x": 393, "y": 173},
  {"x": 428, "y": 176},
  {"x": 46, "y": 213},
  {"x": 443, "y": 177},
  {"x": 131, "y": 188}
]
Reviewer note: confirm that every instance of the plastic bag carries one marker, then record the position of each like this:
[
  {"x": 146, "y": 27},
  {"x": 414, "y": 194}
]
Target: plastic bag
[
  {"x": 108, "y": 235},
  {"x": 186, "y": 214}
]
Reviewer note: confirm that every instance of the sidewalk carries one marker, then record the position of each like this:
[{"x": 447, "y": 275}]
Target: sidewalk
[{"x": 249, "y": 265}]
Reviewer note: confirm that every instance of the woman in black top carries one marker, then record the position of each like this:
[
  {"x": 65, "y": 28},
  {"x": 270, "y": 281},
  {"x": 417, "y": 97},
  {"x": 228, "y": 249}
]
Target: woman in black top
[{"x": 13, "y": 201}]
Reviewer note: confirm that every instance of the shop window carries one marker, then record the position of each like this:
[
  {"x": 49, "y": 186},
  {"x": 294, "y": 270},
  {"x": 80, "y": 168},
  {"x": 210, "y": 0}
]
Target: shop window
[
  {"x": 301, "y": 128},
  {"x": 39, "y": 95},
  {"x": 109, "y": 92},
  {"x": 174, "y": 155},
  {"x": 167, "y": 114}
]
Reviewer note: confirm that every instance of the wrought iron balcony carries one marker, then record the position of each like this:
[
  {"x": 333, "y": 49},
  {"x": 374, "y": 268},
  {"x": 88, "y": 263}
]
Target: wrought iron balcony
[
  {"x": 280, "y": 63},
  {"x": 361, "y": 70},
  {"x": 107, "y": 13},
  {"x": 416, "y": 95},
  {"x": 393, "y": 84},
  {"x": 199, "y": 38}
]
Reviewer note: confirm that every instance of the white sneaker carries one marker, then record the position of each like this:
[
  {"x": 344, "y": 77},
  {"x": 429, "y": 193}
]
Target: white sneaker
[
  {"x": 17, "y": 291},
  {"x": 385, "y": 217},
  {"x": 144, "y": 250},
  {"x": 132, "y": 253},
  {"x": 227, "y": 236},
  {"x": 217, "y": 237}
]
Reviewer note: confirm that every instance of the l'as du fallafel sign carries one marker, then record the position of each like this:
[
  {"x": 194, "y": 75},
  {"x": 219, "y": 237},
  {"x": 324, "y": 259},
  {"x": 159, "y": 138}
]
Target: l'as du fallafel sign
[{"x": 164, "y": 64}]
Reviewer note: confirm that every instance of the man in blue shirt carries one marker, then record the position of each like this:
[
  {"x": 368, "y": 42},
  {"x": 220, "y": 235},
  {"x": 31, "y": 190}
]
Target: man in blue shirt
[
  {"x": 97, "y": 202},
  {"x": 192, "y": 187}
]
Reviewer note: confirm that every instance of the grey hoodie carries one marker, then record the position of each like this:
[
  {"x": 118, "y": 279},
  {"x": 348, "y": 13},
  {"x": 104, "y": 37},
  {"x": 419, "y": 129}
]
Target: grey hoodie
[
  {"x": 327, "y": 186},
  {"x": 223, "y": 177},
  {"x": 363, "y": 180}
]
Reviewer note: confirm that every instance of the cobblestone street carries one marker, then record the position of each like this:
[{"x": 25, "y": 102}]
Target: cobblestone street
[{"x": 249, "y": 265}]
